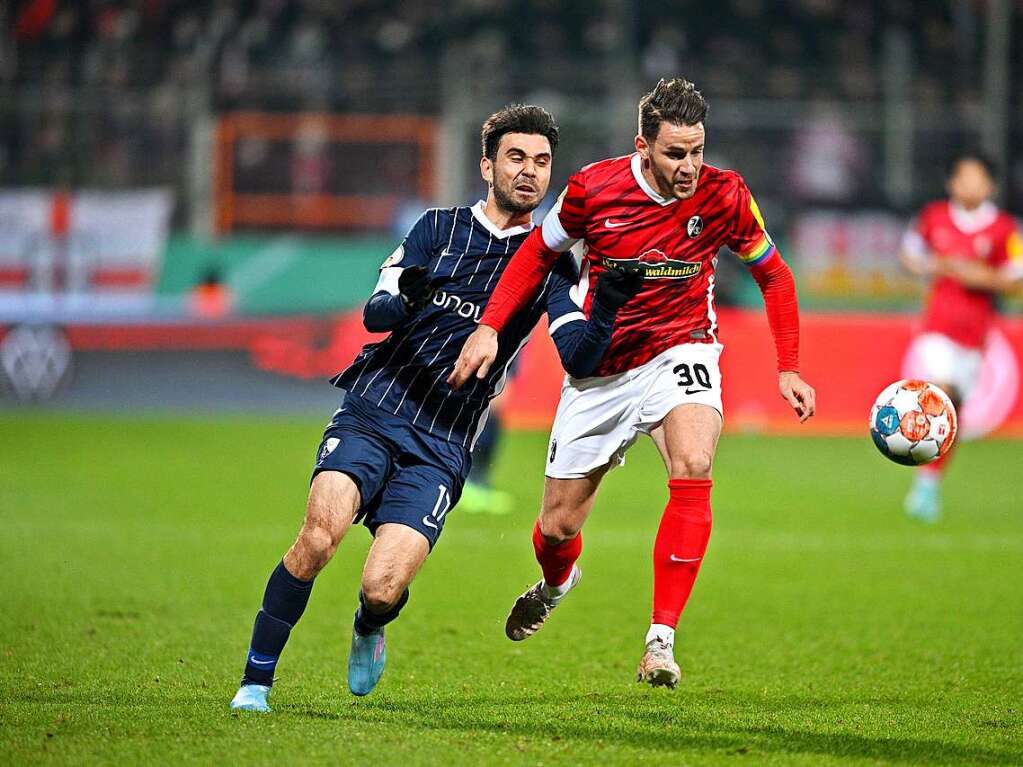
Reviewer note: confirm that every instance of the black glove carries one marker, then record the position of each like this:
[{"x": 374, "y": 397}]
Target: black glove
[
  {"x": 414, "y": 286},
  {"x": 616, "y": 286}
]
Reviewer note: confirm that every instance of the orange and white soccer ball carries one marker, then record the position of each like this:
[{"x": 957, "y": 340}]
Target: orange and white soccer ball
[{"x": 913, "y": 422}]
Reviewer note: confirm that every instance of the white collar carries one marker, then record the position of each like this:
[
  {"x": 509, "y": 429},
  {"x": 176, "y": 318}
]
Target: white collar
[
  {"x": 653, "y": 194},
  {"x": 478, "y": 210},
  {"x": 970, "y": 221}
]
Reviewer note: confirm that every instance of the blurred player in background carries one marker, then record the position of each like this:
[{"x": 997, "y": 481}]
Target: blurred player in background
[
  {"x": 971, "y": 252},
  {"x": 662, "y": 210},
  {"x": 479, "y": 496},
  {"x": 396, "y": 453}
]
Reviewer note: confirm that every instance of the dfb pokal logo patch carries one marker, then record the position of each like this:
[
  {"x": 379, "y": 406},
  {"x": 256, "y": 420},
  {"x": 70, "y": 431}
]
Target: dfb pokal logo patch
[
  {"x": 328, "y": 448},
  {"x": 695, "y": 226}
]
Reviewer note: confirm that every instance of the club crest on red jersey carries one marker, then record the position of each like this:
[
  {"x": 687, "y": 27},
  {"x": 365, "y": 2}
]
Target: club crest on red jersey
[
  {"x": 656, "y": 265},
  {"x": 694, "y": 226}
]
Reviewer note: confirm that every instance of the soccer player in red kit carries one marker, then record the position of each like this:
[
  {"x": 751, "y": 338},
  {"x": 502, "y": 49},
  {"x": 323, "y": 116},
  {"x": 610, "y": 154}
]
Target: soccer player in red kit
[
  {"x": 663, "y": 213},
  {"x": 972, "y": 252}
]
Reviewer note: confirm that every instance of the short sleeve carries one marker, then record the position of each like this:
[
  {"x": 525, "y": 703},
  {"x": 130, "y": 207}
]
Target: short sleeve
[
  {"x": 749, "y": 238},
  {"x": 565, "y": 224}
]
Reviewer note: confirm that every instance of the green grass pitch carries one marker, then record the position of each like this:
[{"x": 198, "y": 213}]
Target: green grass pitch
[{"x": 825, "y": 628}]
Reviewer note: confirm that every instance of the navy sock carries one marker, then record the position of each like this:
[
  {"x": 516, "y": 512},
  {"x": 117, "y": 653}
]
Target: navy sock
[
  {"x": 366, "y": 622},
  {"x": 284, "y": 602}
]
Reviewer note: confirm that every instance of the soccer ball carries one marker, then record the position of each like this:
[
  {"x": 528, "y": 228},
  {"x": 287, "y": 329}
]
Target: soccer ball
[{"x": 913, "y": 422}]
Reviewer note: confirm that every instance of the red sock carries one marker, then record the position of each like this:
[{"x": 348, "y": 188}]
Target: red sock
[
  {"x": 679, "y": 547},
  {"x": 556, "y": 560}
]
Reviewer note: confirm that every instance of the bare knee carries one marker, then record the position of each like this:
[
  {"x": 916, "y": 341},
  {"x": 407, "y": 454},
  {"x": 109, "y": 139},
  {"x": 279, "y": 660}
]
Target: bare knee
[
  {"x": 566, "y": 504},
  {"x": 692, "y": 464},
  {"x": 312, "y": 550},
  {"x": 382, "y": 591},
  {"x": 322, "y": 530},
  {"x": 559, "y": 523}
]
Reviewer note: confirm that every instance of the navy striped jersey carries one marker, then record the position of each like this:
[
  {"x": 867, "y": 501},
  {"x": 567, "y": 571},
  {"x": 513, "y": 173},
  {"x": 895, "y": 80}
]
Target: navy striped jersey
[{"x": 406, "y": 373}]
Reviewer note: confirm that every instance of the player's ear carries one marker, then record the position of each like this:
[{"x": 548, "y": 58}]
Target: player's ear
[
  {"x": 642, "y": 147},
  {"x": 487, "y": 170}
]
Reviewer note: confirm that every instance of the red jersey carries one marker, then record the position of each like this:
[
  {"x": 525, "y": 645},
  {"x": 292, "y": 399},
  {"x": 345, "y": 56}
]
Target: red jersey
[
  {"x": 622, "y": 220},
  {"x": 985, "y": 234}
]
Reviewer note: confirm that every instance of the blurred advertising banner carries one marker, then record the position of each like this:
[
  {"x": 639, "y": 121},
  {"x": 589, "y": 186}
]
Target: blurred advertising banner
[
  {"x": 285, "y": 363},
  {"x": 87, "y": 241},
  {"x": 842, "y": 254}
]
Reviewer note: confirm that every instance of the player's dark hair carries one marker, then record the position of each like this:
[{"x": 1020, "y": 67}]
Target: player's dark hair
[
  {"x": 517, "y": 118},
  {"x": 972, "y": 155},
  {"x": 675, "y": 101}
]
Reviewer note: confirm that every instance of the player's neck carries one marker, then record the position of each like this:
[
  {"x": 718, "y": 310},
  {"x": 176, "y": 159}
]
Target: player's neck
[
  {"x": 982, "y": 205},
  {"x": 505, "y": 219},
  {"x": 648, "y": 175}
]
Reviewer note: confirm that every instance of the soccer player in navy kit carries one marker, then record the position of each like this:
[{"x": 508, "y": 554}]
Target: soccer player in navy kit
[{"x": 396, "y": 453}]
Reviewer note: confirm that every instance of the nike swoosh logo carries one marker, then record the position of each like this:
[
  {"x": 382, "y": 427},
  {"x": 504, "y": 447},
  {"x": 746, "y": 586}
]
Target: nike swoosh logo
[
  {"x": 673, "y": 558},
  {"x": 260, "y": 662},
  {"x": 695, "y": 391},
  {"x": 429, "y": 522},
  {"x": 614, "y": 224}
]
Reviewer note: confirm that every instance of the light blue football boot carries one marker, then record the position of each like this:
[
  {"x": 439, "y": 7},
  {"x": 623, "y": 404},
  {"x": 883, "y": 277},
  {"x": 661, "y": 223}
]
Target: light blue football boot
[
  {"x": 366, "y": 661},
  {"x": 924, "y": 500},
  {"x": 251, "y": 697}
]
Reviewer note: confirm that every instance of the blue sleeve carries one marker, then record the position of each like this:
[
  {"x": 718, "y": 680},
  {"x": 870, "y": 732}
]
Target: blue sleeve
[
  {"x": 384, "y": 312},
  {"x": 581, "y": 342},
  {"x": 385, "y": 309}
]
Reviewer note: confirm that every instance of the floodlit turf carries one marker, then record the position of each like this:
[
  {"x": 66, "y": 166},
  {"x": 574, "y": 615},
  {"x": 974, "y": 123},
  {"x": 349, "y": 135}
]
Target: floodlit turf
[{"x": 825, "y": 627}]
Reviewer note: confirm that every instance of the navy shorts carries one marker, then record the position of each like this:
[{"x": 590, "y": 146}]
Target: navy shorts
[{"x": 404, "y": 475}]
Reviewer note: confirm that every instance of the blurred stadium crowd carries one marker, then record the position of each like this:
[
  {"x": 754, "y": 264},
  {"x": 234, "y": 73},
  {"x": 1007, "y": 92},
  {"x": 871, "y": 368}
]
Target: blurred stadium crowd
[{"x": 105, "y": 92}]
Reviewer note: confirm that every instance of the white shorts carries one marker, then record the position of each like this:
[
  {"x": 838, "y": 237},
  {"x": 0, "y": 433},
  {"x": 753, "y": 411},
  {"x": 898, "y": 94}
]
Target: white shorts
[
  {"x": 600, "y": 418},
  {"x": 939, "y": 359}
]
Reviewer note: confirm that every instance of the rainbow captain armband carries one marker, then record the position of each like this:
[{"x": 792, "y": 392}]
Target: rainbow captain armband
[
  {"x": 1014, "y": 248},
  {"x": 760, "y": 252}
]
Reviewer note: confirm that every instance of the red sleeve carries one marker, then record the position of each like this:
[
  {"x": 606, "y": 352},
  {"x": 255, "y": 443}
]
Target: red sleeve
[
  {"x": 779, "y": 290},
  {"x": 571, "y": 207},
  {"x": 564, "y": 225},
  {"x": 747, "y": 224},
  {"x": 521, "y": 280},
  {"x": 750, "y": 240}
]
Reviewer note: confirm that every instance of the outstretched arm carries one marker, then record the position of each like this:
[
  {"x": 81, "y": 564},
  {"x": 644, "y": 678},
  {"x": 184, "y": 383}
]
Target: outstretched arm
[
  {"x": 751, "y": 241},
  {"x": 521, "y": 281},
  {"x": 778, "y": 287}
]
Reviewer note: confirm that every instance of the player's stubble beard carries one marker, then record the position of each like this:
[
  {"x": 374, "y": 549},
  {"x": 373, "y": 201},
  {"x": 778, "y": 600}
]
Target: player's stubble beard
[
  {"x": 503, "y": 196},
  {"x": 665, "y": 185}
]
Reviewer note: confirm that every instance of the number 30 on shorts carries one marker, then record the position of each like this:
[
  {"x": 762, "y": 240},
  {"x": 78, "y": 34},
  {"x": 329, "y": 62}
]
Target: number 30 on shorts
[{"x": 693, "y": 375}]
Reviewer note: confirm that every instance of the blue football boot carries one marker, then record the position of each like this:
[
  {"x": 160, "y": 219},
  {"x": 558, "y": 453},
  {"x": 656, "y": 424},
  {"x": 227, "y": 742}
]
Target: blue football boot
[
  {"x": 924, "y": 501},
  {"x": 251, "y": 697},
  {"x": 366, "y": 661}
]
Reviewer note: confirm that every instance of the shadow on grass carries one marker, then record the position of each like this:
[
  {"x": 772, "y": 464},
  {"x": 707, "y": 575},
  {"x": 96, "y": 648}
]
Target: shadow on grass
[
  {"x": 652, "y": 720},
  {"x": 643, "y": 721}
]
